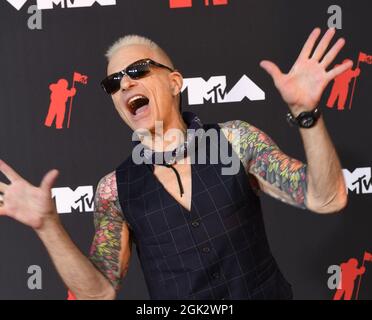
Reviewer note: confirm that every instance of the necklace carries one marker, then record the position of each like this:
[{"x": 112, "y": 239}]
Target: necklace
[{"x": 181, "y": 151}]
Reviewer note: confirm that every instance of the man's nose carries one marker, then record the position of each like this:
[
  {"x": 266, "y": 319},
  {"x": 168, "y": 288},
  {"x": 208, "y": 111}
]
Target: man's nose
[{"x": 126, "y": 82}]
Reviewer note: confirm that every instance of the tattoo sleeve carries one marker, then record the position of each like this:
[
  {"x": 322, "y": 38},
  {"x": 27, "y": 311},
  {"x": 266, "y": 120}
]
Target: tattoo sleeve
[
  {"x": 108, "y": 221},
  {"x": 263, "y": 158}
]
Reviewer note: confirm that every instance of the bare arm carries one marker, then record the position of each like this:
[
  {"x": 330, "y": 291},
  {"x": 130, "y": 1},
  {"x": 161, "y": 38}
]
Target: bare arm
[
  {"x": 302, "y": 88},
  {"x": 284, "y": 177},
  {"x": 326, "y": 184},
  {"x": 111, "y": 248},
  {"x": 77, "y": 272},
  {"x": 276, "y": 174},
  {"x": 99, "y": 276},
  {"x": 33, "y": 206}
]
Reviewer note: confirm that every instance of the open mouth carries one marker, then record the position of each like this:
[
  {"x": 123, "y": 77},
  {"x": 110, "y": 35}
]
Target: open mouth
[{"x": 137, "y": 104}]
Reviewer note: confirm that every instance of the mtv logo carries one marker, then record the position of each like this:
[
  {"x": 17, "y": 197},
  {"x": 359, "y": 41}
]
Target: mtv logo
[
  {"x": 359, "y": 180},
  {"x": 18, "y": 4},
  {"x": 50, "y": 4},
  {"x": 188, "y": 3},
  {"x": 67, "y": 200},
  {"x": 214, "y": 90}
]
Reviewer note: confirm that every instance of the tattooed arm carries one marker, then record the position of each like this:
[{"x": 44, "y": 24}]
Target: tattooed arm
[
  {"x": 277, "y": 174},
  {"x": 99, "y": 276},
  {"x": 34, "y": 207},
  {"x": 302, "y": 89},
  {"x": 111, "y": 248}
]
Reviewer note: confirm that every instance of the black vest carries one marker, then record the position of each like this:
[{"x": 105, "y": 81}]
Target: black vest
[{"x": 219, "y": 250}]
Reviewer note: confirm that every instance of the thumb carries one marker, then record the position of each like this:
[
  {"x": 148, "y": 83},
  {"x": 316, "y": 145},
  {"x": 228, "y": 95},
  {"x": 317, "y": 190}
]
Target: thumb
[
  {"x": 2, "y": 211},
  {"x": 49, "y": 180},
  {"x": 272, "y": 69}
]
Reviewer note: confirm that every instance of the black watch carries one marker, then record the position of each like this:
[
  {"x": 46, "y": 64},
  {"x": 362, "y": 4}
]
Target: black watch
[{"x": 305, "y": 119}]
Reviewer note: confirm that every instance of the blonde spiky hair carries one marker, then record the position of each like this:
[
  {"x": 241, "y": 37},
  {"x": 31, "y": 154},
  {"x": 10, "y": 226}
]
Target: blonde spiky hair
[{"x": 132, "y": 40}]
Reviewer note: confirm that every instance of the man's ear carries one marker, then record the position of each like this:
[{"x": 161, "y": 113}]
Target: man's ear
[{"x": 176, "y": 81}]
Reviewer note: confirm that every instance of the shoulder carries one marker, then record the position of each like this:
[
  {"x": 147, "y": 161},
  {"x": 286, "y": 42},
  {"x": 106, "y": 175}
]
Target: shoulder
[
  {"x": 242, "y": 127},
  {"x": 107, "y": 199},
  {"x": 237, "y": 133},
  {"x": 238, "y": 129},
  {"x": 107, "y": 187},
  {"x": 244, "y": 134},
  {"x": 234, "y": 124}
]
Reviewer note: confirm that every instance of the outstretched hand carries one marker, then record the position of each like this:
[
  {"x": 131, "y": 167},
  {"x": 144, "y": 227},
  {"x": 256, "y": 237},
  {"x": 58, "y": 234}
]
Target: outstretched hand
[
  {"x": 25, "y": 202},
  {"x": 305, "y": 83}
]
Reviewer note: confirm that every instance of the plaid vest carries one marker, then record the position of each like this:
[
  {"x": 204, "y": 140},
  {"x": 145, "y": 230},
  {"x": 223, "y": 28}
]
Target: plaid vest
[{"x": 218, "y": 250}]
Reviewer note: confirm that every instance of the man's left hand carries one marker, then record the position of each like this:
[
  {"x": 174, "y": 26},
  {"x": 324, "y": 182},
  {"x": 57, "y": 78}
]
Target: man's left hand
[{"x": 303, "y": 86}]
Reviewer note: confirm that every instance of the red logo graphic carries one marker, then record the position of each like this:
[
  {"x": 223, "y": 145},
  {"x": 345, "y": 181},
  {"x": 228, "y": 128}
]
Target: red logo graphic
[
  {"x": 340, "y": 89},
  {"x": 349, "y": 273},
  {"x": 58, "y": 99},
  {"x": 188, "y": 3}
]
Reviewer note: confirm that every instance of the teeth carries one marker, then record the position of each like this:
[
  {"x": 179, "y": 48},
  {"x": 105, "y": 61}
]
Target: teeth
[
  {"x": 131, "y": 100},
  {"x": 137, "y": 102}
]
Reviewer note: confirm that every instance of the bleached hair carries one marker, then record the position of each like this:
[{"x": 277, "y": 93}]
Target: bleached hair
[{"x": 134, "y": 39}]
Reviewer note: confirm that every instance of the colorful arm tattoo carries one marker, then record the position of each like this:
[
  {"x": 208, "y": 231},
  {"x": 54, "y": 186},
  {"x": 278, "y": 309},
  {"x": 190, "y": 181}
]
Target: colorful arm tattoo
[
  {"x": 105, "y": 252},
  {"x": 285, "y": 176}
]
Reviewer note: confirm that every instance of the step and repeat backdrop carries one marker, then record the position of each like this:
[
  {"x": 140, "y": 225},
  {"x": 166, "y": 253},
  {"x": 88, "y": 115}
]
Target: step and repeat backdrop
[{"x": 48, "y": 47}]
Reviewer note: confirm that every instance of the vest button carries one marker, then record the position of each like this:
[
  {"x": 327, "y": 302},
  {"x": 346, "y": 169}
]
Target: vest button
[
  {"x": 206, "y": 250},
  {"x": 216, "y": 275},
  {"x": 195, "y": 223}
]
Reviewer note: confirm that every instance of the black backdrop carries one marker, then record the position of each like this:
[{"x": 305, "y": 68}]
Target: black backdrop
[{"x": 204, "y": 41}]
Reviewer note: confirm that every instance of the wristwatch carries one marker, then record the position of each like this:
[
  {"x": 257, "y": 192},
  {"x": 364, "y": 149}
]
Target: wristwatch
[{"x": 306, "y": 119}]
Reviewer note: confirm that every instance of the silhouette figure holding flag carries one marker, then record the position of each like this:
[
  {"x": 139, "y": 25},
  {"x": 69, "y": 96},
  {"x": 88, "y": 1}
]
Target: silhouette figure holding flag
[
  {"x": 340, "y": 88},
  {"x": 58, "y": 100},
  {"x": 349, "y": 273},
  {"x": 366, "y": 258}
]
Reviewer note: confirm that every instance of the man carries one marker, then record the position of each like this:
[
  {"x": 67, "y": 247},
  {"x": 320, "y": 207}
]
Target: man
[
  {"x": 349, "y": 273},
  {"x": 340, "y": 88},
  {"x": 58, "y": 99},
  {"x": 199, "y": 234}
]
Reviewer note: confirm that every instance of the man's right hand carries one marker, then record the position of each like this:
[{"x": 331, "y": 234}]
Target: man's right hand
[
  {"x": 26, "y": 203},
  {"x": 34, "y": 207}
]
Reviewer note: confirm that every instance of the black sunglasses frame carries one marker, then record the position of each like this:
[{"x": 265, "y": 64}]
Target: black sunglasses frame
[{"x": 128, "y": 71}]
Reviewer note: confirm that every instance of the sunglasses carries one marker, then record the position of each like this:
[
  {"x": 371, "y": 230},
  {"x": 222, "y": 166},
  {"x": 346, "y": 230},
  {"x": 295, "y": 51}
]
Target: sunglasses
[{"x": 136, "y": 70}]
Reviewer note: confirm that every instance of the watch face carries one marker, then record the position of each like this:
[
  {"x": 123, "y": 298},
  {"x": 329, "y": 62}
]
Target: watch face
[{"x": 307, "y": 122}]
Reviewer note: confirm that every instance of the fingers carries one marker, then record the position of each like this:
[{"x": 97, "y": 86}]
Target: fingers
[
  {"x": 9, "y": 172},
  {"x": 49, "y": 180},
  {"x": 2, "y": 211},
  {"x": 272, "y": 69},
  {"x": 3, "y": 187},
  {"x": 339, "y": 69},
  {"x": 309, "y": 45},
  {"x": 331, "y": 55},
  {"x": 323, "y": 44}
]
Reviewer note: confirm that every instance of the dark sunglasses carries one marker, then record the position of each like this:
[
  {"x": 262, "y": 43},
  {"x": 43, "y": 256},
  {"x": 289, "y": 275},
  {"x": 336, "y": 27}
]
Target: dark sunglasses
[{"x": 136, "y": 70}]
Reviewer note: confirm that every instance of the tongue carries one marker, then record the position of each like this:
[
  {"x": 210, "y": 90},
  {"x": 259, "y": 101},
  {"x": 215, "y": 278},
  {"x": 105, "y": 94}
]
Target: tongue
[{"x": 139, "y": 110}]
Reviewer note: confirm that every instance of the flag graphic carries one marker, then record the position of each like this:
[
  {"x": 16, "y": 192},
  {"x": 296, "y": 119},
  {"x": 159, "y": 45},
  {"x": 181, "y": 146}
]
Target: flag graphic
[
  {"x": 80, "y": 78},
  {"x": 367, "y": 256},
  {"x": 363, "y": 57}
]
